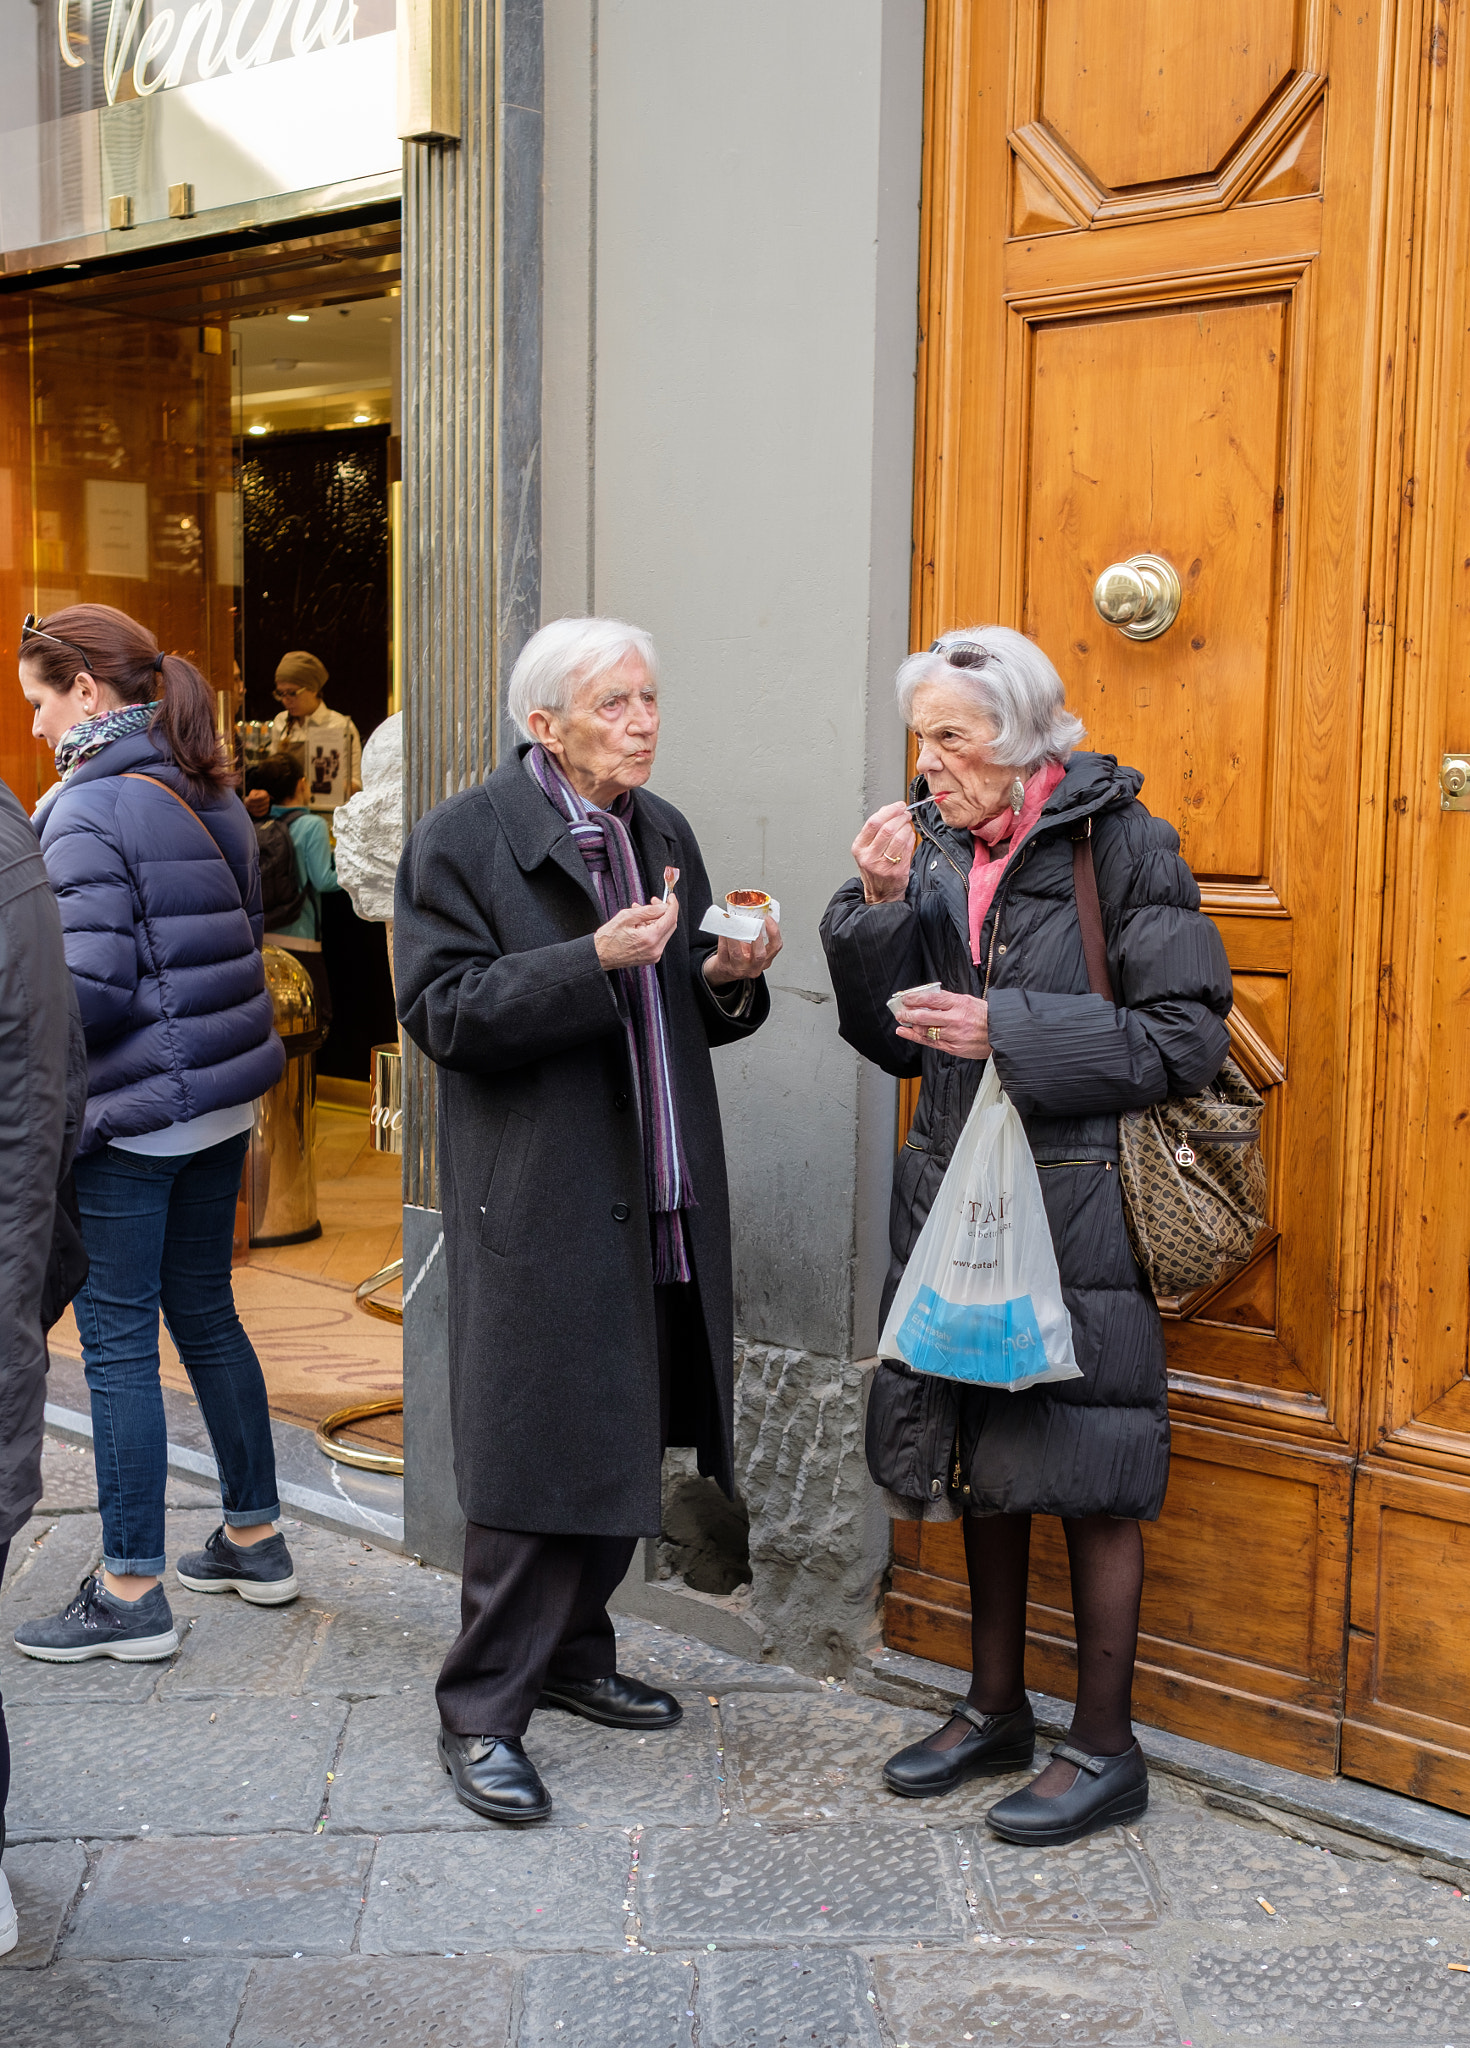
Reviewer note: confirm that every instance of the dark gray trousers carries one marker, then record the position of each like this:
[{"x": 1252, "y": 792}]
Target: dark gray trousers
[{"x": 531, "y": 1608}]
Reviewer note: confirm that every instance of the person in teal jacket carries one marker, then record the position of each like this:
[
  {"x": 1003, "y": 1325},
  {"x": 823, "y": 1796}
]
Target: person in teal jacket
[{"x": 279, "y": 778}]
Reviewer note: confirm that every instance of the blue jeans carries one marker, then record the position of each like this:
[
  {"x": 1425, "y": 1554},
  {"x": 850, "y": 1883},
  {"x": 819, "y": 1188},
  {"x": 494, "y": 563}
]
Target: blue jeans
[{"x": 159, "y": 1233}]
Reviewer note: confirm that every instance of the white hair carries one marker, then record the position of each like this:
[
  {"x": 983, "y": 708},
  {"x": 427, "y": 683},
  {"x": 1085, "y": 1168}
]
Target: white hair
[
  {"x": 1014, "y": 687},
  {"x": 556, "y": 662}
]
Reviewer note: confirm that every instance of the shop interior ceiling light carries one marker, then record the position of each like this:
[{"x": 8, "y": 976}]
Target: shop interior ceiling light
[{"x": 298, "y": 317}]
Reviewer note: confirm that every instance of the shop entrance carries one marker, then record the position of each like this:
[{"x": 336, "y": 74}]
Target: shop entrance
[
  {"x": 1165, "y": 319},
  {"x": 210, "y": 443}
]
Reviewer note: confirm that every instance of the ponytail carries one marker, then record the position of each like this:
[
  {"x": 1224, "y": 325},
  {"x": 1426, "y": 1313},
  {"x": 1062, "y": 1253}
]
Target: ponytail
[
  {"x": 185, "y": 717},
  {"x": 124, "y": 655}
]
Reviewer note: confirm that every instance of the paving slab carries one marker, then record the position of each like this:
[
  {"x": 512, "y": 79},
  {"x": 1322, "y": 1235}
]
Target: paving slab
[
  {"x": 607, "y": 2002},
  {"x": 844, "y": 1883},
  {"x": 259, "y": 1897},
  {"x": 787, "y": 1761},
  {"x": 68, "y": 1479},
  {"x": 1037, "y": 1999},
  {"x": 171, "y": 1767},
  {"x": 1397, "y": 1994},
  {"x": 359, "y": 1657},
  {"x": 378, "y": 2002},
  {"x": 780, "y": 2000},
  {"x": 26, "y": 1680},
  {"x": 44, "y": 1878},
  {"x": 122, "y": 2005},
  {"x": 679, "y": 1663},
  {"x": 233, "y": 1647},
  {"x": 1216, "y": 1871},
  {"x": 48, "y": 1571},
  {"x": 24, "y": 1550},
  {"x": 508, "y": 1888},
  {"x": 390, "y": 1778},
  {"x": 1101, "y": 1886}
]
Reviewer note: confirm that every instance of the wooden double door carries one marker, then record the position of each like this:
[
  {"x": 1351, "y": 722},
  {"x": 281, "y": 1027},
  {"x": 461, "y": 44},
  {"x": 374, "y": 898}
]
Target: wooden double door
[{"x": 1195, "y": 287}]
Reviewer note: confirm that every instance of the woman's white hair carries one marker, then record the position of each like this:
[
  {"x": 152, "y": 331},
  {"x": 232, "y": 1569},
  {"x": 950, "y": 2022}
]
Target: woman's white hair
[
  {"x": 557, "y": 661},
  {"x": 1014, "y": 687}
]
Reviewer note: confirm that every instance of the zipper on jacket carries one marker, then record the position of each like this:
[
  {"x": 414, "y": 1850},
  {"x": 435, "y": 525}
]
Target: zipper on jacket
[{"x": 1045, "y": 1165}]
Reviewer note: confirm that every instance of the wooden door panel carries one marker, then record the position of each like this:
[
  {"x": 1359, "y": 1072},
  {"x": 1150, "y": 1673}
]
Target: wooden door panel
[
  {"x": 1151, "y": 288},
  {"x": 1155, "y": 92},
  {"x": 1148, "y": 429},
  {"x": 1408, "y": 1715}
]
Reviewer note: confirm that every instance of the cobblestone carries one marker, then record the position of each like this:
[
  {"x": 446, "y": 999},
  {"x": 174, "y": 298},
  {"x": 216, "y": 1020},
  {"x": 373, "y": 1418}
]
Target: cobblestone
[
  {"x": 377, "y": 2002},
  {"x": 259, "y": 1897},
  {"x": 252, "y": 1845},
  {"x": 607, "y": 2002},
  {"x": 500, "y": 1889}
]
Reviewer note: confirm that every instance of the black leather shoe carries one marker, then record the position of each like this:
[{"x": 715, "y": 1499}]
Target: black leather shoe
[
  {"x": 493, "y": 1775},
  {"x": 1106, "y": 1790},
  {"x": 996, "y": 1742},
  {"x": 615, "y": 1701}
]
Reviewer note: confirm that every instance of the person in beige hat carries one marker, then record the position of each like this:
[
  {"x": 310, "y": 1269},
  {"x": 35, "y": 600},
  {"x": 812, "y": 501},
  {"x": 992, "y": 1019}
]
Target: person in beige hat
[{"x": 326, "y": 742}]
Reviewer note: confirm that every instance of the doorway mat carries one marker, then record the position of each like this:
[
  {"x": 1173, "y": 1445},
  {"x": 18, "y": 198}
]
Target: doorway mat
[
  {"x": 1238, "y": 1784},
  {"x": 310, "y": 1485}
]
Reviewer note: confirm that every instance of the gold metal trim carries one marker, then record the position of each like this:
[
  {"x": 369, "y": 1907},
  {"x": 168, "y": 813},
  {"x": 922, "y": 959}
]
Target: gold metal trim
[{"x": 349, "y": 1454}]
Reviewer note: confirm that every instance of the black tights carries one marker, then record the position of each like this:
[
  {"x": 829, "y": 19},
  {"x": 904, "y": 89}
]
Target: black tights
[{"x": 1106, "y": 1559}]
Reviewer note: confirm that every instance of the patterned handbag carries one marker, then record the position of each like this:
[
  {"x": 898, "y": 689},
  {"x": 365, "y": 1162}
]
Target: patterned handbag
[{"x": 1194, "y": 1181}]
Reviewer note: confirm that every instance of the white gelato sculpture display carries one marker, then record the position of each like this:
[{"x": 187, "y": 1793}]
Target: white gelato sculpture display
[{"x": 369, "y": 826}]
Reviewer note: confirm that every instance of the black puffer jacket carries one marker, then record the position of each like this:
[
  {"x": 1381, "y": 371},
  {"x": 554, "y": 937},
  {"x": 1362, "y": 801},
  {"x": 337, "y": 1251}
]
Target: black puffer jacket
[{"x": 1070, "y": 1064}]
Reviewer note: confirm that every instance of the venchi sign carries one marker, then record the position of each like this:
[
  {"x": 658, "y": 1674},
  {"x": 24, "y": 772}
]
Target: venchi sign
[{"x": 179, "y": 45}]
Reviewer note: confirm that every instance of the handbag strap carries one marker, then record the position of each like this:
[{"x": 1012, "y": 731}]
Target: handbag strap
[
  {"x": 157, "y": 783},
  {"x": 1089, "y": 914}
]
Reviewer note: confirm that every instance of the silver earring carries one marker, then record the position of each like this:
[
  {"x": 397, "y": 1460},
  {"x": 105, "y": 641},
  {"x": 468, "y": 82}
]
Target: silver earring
[{"x": 1018, "y": 795}]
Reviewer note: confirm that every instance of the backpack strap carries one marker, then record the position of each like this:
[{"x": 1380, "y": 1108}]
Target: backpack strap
[{"x": 1089, "y": 914}]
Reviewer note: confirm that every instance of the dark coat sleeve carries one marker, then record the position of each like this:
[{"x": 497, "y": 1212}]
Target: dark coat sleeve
[
  {"x": 873, "y": 949},
  {"x": 463, "y": 1000},
  {"x": 1078, "y": 1055}
]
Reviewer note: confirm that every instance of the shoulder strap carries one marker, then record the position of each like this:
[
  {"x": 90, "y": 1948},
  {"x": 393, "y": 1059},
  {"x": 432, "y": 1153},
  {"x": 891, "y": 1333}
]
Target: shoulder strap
[
  {"x": 128, "y": 776},
  {"x": 1089, "y": 914}
]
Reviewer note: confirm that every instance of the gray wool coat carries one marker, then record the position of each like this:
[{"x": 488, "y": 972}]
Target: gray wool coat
[
  {"x": 1071, "y": 1064},
  {"x": 43, "y": 1095},
  {"x": 553, "y": 1357}
]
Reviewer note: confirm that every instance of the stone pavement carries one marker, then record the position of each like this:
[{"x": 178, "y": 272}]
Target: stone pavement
[{"x": 252, "y": 1846}]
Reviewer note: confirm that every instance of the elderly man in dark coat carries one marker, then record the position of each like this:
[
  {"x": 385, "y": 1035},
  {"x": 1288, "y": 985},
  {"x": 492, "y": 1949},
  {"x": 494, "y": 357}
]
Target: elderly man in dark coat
[{"x": 550, "y": 966}]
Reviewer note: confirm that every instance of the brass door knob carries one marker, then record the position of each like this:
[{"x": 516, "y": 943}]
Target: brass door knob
[
  {"x": 1454, "y": 782},
  {"x": 1140, "y": 596}
]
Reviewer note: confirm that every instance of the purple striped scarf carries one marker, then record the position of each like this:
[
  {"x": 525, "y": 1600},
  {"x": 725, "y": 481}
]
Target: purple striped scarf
[{"x": 603, "y": 841}]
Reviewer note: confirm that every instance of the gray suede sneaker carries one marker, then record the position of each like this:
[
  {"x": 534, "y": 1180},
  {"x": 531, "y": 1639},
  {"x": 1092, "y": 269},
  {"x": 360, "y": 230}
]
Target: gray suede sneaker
[
  {"x": 261, "y": 1573},
  {"x": 97, "y": 1625}
]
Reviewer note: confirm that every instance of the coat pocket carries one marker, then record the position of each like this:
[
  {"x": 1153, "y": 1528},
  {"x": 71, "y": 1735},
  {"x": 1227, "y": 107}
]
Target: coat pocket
[
  {"x": 909, "y": 1430},
  {"x": 498, "y": 1210}
]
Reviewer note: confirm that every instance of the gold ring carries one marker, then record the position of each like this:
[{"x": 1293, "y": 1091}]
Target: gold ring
[
  {"x": 934, "y": 1030},
  {"x": 894, "y": 857}
]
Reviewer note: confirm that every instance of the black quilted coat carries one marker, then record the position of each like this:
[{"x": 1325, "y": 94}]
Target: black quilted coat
[{"x": 1070, "y": 1064}]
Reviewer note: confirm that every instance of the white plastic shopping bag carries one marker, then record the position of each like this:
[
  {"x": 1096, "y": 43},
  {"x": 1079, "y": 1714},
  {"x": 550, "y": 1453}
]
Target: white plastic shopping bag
[{"x": 981, "y": 1298}]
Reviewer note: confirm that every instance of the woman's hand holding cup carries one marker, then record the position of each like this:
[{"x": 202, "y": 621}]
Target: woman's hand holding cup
[{"x": 884, "y": 851}]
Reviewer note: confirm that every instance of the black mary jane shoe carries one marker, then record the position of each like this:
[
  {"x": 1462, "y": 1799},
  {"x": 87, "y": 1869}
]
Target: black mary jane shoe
[
  {"x": 1106, "y": 1791},
  {"x": 993, "y": 1743},
  {"x": 493, "y": 1776},
  {"x": 616, "y": 1701}
]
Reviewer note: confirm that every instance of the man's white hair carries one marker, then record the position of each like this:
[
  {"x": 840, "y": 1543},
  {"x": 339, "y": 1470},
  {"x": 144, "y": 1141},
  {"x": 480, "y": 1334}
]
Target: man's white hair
[
  {"x": 555, "y": 662},
  {"x": 1014, "y": 687}
]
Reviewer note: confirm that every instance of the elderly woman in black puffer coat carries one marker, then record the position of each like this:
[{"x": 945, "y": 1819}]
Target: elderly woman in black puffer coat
[{"x": 983, "y": 902}]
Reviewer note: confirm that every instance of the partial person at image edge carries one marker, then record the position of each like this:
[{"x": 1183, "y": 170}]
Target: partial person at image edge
[
  {"x": 43, "y": 1097},
  {"x": 154, "y": 865}
]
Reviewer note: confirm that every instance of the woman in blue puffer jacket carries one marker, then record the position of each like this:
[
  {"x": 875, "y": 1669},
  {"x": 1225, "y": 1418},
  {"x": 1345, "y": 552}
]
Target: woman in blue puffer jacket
[{"x": 155, "y": 867}]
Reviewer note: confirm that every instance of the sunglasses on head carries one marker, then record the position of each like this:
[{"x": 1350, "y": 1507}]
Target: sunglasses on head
[
  {"x": 962, "y": 657},
  {"x": 31, "y": 631}
]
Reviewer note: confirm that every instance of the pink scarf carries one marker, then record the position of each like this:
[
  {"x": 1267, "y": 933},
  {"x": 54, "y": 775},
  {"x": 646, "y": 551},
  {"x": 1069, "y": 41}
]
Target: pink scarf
[{"x": 985, "y": 874}]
